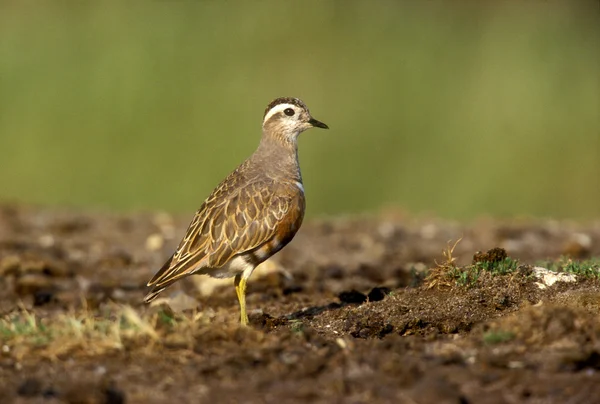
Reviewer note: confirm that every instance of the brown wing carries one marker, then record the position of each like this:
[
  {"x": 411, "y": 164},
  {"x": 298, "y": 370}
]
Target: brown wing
[{"x": 225, "y": 227}]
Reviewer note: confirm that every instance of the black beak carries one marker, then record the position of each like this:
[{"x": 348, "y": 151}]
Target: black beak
[{"x": 317, "y": 124}]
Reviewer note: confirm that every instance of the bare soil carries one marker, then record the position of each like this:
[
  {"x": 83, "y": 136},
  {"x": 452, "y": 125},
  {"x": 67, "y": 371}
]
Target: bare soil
[{"x": 356, "y": 310}]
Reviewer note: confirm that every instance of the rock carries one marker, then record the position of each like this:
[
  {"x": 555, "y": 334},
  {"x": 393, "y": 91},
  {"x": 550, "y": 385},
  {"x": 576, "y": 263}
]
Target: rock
[{"x": 548, "y": 278}]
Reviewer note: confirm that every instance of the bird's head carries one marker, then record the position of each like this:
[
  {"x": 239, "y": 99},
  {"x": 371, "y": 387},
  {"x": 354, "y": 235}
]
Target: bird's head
[{"x": 288, "y": 117}]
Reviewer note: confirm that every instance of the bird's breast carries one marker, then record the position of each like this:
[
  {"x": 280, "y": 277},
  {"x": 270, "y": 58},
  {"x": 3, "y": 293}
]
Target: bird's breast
[{"x": 287, "y": 228}]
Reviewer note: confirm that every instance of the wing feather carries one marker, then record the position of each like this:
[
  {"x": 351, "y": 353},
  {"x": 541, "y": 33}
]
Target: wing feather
[{"x": 222, "y": 229}]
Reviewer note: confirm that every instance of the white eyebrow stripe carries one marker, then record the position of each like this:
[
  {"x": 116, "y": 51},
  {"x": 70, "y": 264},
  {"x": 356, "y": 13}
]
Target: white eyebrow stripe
[{"x": 276, "y": 109}]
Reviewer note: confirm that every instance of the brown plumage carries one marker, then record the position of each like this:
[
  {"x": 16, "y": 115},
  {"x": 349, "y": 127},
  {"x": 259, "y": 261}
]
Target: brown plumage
[{"x": 251, "y": 214}]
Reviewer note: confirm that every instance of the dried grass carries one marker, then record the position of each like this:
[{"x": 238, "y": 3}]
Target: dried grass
[
  {"x": 113, "y": 328},
  {"x": 438, "y": 276}
]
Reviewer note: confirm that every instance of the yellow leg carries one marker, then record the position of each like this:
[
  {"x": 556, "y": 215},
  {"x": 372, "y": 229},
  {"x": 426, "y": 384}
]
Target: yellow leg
[{"x": 240, "y": 289}]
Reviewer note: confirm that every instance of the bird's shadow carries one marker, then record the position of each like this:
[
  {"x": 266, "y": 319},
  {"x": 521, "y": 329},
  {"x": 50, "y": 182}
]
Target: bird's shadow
[
  {"x": 347, "y": 298},
  {"x": 267, "y": 322}
]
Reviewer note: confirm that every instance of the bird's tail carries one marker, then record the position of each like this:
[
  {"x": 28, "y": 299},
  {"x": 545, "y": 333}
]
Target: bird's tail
[
  {"x": 158, "y": 286},
  {"x": 153, "y": 294},
  {"x": 169, "y": 274}
]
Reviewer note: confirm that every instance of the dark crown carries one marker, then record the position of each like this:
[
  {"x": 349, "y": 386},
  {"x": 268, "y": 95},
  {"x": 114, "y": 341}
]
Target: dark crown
[{"x": 284, "y": 100}]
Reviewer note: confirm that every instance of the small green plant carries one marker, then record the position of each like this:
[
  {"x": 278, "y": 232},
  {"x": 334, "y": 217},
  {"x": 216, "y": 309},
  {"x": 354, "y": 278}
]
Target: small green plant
[
  {"x": 502, "y": 267},
  {"x": 497, "y": 337},
  {"x": 469, "y": 275},
  {"x": 464, "y": 276},
  {"x": 589, "y": 268},
  {"x": 19, "y": 326},
  {"x": 297, "y": 326},
  {"x": 166, "y": 318}
]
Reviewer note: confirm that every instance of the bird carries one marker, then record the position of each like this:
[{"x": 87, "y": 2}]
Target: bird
[{"x": 252, "y": 214}]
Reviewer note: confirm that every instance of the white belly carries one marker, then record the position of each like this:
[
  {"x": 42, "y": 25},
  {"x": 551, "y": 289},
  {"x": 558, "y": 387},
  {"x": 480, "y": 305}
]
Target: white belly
[{"x": 236, "y": 266}]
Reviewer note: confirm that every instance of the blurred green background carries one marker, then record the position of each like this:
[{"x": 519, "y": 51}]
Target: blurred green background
[{"x": 453, "y": 108}]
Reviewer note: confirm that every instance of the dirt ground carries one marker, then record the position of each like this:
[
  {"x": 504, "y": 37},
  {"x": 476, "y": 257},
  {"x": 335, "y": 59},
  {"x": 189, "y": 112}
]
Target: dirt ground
[{"x": 354, "y": 310}]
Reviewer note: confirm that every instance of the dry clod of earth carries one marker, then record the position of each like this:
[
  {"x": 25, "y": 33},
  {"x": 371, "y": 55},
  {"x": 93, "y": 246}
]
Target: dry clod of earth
[{"x": 368, "y": 310}]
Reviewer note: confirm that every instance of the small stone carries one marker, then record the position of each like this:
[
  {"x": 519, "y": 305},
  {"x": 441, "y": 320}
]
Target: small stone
[
  {"x": 155, "y": 242},
  {"x": 364, "y": 333},
  {"x": 289, "y": 358},
  {"x": 46, "y": 240},
  {"x": 341, "y": 343}
]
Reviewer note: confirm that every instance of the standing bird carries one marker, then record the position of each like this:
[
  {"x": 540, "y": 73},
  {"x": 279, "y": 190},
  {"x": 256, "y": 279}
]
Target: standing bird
[{"x": 252, "y": 214}]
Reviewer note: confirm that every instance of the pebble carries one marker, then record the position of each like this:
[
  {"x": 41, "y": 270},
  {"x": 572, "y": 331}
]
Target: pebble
[
  {"x": 46, "y": 240},
  {"x": 154, "y": 242},
  {"x": 341, "y": 343}
]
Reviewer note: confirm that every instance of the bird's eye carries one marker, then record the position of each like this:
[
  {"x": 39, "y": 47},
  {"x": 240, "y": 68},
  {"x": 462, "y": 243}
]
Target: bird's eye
[{"x": 288, "y": 111}]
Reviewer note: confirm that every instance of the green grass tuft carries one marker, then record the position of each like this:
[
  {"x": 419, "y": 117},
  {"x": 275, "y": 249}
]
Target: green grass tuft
[
  {"x": 468, "y": 275},
  {"x": 166, "y": 318},
  {"x": 589, "y": 268},
  {"x": 297, "y": 326},
  {"x": 464, "y": 276},
  {"x": 503, "y": 267},
  {"x": 497, "y": 337}
]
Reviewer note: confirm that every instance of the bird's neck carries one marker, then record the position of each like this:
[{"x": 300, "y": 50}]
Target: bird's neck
[{"x": 280, "y": 154}]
